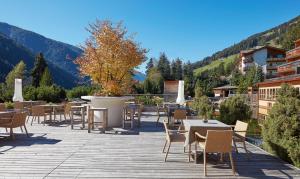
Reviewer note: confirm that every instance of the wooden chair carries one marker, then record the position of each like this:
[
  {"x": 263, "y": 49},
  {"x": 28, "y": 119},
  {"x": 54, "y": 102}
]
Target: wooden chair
[
  {"x": 161, "y": 111},
  {"x": 172, "y": 136},
  {"x": 19, "y": 105},
  {"x": 240, "y": 130},
  {"x": 129, "y": 117},
  {"x": 179, "y": 116},
  {"x": 2, "y": 107},
  {"x": 18, "y": 120},
  {"x": 37, "y": 112},
  {"x": 216, "y": 141}
]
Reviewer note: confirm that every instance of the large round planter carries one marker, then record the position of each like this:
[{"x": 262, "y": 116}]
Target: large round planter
[{"x": 114, "y": 106}]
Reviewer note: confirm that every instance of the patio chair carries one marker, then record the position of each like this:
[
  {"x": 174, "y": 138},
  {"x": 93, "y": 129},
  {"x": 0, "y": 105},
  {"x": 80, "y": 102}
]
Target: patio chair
[
  {"x": 172, "y": 136},
  {"x": 240, "y": 130},
  {"x": 19, "y": 105},
  {"x": 127, "y": 117},
  {"x": 216, "y": 141},
  {"x": 161, "y": 111},
  {"x": 179, "y": 116},
  {"x": 17, "y": 120},
  {"x": 2, "y": 107},
  {"x": 37, "y": 112},
  {"x": 60, "y": 111}
]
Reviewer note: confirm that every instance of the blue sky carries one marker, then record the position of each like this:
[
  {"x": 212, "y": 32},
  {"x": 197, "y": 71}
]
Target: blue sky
[{"x": 186, "y": 29}]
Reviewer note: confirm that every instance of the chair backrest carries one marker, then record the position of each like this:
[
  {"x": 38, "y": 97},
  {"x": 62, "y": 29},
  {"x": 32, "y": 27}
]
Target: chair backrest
[
  {"x": 38, "y": 111},
  {"x": 19, "y": 119},
  {"x": 19, "y": 105},
  {"x": 218, "y": 141},
  {"x": 167, "y": 130},
  {"x": 241, "y": 128},
  {"x": 180, "y": 114},
  {"x": 2, "y": 107}
]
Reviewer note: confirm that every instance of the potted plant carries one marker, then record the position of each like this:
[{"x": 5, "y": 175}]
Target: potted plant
[
  {"x": 109, "y": 58},
  {"x": 204, "y": 107}
]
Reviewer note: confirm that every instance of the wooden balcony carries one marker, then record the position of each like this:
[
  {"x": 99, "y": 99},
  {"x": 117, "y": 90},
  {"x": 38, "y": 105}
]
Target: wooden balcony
[
  {"x": 293, "y": 53},
  {"x": 275, "y": 60}
]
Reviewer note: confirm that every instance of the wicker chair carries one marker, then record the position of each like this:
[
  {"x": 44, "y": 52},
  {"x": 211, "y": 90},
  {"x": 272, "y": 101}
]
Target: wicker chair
[
  {"x": 216, "y": 141},
  {"x": 172, "y": 136},
  {"x": 17, "y": 120},
  {"x": 161, "y": 111},
  {"x": 179, "y": 116},
  {"x": 240, "y": 130},
  {"x": 37, "y": 112}
]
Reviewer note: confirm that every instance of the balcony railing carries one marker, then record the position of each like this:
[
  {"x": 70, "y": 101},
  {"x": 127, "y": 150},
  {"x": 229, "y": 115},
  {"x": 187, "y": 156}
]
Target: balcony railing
[
  {"x": 293, "y": 52},
  {"x": 275, "y": 59}
]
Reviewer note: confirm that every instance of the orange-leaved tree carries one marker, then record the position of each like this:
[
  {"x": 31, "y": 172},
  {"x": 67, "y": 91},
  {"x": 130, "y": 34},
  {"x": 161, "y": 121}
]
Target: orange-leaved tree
[{"x": 110, "y": 57}]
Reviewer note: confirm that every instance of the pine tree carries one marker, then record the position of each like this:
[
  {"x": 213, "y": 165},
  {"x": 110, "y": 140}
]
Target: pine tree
[
  {"x": 259, "y": 75},
  {"x": 17, "y": 72},
  {"x": 46, "y": 79},
  {"x": 173, "y": 70},
  {"x": 150, "y": 65},
  {"x": 178, "y": 71},
  {"x": 38, "y": 69},
  {"x": 164, "y": 66}
]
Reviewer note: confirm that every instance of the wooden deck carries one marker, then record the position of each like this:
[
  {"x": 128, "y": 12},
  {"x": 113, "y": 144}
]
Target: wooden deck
[{"x": 59, "y": 152}]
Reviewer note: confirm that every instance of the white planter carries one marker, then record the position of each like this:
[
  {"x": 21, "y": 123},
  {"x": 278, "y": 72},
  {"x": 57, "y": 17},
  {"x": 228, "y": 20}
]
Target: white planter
[{"x": 114, "y": 105}]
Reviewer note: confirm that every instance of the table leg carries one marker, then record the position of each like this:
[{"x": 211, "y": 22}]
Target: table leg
[
  {"x": 132, "y": 118},
  {"x": 82, "y": 118},
  {"x": 72, "y": 119}
]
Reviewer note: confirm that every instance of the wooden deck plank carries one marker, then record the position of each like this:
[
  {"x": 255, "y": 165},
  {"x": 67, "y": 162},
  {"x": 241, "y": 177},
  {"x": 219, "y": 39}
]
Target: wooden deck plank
[{"x": 59, "y": 152}]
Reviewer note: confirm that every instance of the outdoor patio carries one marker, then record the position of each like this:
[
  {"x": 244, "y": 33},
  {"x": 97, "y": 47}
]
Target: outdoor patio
[{"x": 59, "y": 152}]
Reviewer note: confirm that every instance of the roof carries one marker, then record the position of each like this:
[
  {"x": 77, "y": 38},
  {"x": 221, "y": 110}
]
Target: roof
[
  {"x": 225, "y": 87},
  {"x": 254, "y": 49}
]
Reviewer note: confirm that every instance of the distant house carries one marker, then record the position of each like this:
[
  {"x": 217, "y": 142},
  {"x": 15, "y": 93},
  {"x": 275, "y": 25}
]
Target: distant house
[
  {"x": 170, "y": 90},
  {"x": 225, "y": 91},
  {"x": 267, "y": 57}
]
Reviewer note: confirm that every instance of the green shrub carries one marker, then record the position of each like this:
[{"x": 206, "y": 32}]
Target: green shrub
[
  {"x": 234, "y": 108},
  {"x": 281, "y": 130},
  {"x": 30, "y": 93},
  {"x": 9, "y": 105},
  {"x": 6, "y": 94},
  {"x": 51, "y": 93},
  {"x": 149, "y": 100},
  {"x": 79, "y": 91},
  {"x": 204, "y": 107}
]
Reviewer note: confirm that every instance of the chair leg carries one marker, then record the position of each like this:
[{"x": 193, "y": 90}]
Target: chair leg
[
  {"x": 167, "y": 151},
  {"x": 26, "y": 131},
  {"x": 157, "y": 121},
  {"x": 12, "y": 136},
  {"x": 21, "y": 128},
  {"x": 232, "y": 163},
  {"x": 38, "y": 119},
  {"x": 33, "y": 117},
  {"x": 165, "y": 146},
  {"x": 189, "y": 152},
  {"x": 204, "y": 163},
  {"x": 44, "y": 120},
  {"x": 235, "y": 147},
  {"x": 247, "y": 152},
  {"x": 196, "y": 143},
  {"x": 221, "y": 157}
]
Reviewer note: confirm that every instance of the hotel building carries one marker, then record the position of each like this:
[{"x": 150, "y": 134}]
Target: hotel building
[
  {"x": 267, "y": 57},
  {"x": 288, "y": 72}
]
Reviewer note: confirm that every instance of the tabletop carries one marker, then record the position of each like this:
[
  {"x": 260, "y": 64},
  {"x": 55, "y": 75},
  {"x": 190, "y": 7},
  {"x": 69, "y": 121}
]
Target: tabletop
[
  {"x": 52, "y": 105},
  {"x": 198, "y": 125}
]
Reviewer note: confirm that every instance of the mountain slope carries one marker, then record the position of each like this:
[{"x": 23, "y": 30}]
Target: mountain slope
[
  {"x": 55, "y": 52},
  {"x": 271, "y": 36},
  {"x": 11, "y": 53}
]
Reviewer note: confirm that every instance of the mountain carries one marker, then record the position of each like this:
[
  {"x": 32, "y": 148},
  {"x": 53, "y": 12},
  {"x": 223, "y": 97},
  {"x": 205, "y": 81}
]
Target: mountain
[
  {"x": 56, "y": 52},
  {"x": 139, "y": 76},
  {"x": 273, "y": 36},
  {"x": 11, "y": 53}
]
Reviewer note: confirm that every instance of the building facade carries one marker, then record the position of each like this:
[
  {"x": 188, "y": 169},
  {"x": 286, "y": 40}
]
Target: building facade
[
  {"x": 267, "y": 57},
  {"x": 288, "y": 72}
]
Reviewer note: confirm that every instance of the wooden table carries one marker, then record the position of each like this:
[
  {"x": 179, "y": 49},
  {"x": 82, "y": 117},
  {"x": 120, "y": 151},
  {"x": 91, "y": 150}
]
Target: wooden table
[
  {"x": 197, "y": 125},
  {"x": 52, "y": 106}
]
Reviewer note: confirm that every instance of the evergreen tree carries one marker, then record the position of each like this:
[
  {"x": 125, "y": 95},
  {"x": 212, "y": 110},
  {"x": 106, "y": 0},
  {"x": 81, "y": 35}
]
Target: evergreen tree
[
  {"x": 164, "y": 66},
  {"x": 290, "y": 36},
  {"x": 259, "y": 75},
  {"x": 173, "y": 70},
  {"x": 46, "y": 79},
  {"x": 38, "y": 69},
  {"x": 17, "y": 72},
  {"x": 188, "y": 77},
  {"x": 150, "y": 65},
  {"x": 178, "y": 69}
]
